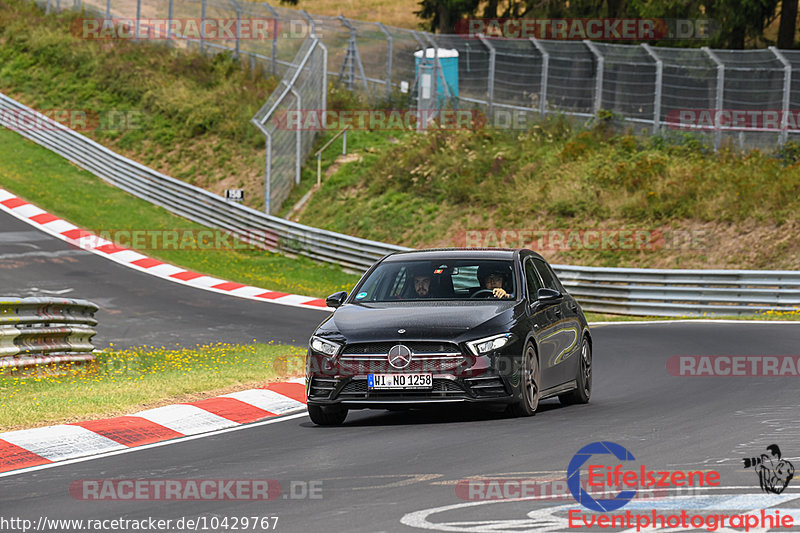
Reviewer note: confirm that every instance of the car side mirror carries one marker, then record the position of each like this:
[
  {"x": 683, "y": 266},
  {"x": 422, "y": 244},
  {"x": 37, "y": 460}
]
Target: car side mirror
[
  {"x": 336, "y": 299},
  {"x": 547, "y": 295}
]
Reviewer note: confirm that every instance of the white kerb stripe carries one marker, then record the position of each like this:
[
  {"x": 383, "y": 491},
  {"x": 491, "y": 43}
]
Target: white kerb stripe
[
  {"x": 5, "y": 195},
  {"x": 58, "y": 226},
  {"x": 186, "y": 419},
  {"x": 164, "y": 270},
  {"x": 128, "y": 256},
  {"x": 295, "y": 299},
  {"x": 28, "y": 210},
  {"x": 205, "y": 282},
  {"x": 266, "y": 399},
  {"x": 61, "y": 442}
]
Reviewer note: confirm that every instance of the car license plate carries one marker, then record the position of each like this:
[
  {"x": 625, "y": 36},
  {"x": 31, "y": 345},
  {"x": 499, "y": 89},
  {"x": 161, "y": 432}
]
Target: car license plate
[{"x": 399, "y": 381}]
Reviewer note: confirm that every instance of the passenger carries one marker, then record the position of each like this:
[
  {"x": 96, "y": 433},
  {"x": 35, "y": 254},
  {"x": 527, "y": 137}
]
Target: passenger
[{"x": 493, "y": 278}]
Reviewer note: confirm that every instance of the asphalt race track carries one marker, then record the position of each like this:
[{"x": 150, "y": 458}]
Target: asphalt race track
[
  {"x": 398, "y": 471},
  {"x": 136, "y": 308}
]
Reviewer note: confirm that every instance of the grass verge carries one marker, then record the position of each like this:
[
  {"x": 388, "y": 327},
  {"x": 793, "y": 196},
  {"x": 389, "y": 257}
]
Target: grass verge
[{"x": 123, "y": 382}]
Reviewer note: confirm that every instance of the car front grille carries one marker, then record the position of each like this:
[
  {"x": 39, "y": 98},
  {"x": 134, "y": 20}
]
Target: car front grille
[
  {"x": 382, "y": 348},
  {"x": 364, "y": 358}
]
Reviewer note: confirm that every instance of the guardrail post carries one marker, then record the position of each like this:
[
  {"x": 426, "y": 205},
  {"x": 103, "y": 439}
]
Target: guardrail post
[
  {"x": 545, "y": 74},
  {"x": 389, "y": 52},
  {"x": 659, "y": 87},
  {"x": 787, "y": 88},
  {"x": 490, "y": 88},
  {"x": 598, "y": 86},
  {"x": 719, "y": 97}
]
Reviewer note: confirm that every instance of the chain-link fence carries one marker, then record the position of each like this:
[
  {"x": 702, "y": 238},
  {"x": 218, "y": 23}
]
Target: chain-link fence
[{"x": 750, "y": 98}]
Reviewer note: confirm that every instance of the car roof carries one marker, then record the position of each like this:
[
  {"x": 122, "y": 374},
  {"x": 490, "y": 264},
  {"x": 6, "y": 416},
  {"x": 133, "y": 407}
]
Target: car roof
[{"x": 453, "y": 253}]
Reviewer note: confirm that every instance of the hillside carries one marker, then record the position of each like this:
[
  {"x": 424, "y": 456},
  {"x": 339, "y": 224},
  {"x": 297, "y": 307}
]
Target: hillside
[{"x": 598, "y": 196}]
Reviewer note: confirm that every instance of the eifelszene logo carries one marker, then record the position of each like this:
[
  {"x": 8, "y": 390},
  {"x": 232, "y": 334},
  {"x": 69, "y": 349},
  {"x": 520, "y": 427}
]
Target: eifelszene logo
[
  {"x": 626, "y": 482},
  {"x": 774, "y": 473}
]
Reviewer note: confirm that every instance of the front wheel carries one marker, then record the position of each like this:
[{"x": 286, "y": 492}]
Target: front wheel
[
  {"x": 583, "y": 390},
  {"x": 327, "y": 416},
  {"x": 529, "y": 397}
]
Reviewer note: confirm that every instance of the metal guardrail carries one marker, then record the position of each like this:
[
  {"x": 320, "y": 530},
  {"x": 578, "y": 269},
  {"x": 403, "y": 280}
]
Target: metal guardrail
[
  {"x": 627, "y": 291},
  {"x": 667, "y": 292},
  {"x": 45, "y": 330}
]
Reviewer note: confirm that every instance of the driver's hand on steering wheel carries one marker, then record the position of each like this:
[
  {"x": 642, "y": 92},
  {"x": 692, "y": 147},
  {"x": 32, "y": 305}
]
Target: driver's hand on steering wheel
[{"x": 499, "y": 293}]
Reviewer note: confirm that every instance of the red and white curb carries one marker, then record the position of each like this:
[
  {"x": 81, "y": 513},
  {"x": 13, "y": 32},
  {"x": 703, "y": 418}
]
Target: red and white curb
[
  {"x": 40, "y": 446},
  {"x": 86, "y": 240}
]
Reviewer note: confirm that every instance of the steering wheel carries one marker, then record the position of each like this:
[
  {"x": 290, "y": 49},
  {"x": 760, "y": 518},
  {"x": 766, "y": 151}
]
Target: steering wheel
[{"x": 476, "y": 294}]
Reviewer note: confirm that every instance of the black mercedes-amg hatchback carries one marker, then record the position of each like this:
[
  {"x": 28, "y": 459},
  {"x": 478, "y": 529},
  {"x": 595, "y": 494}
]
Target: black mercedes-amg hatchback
[{"x": 456, "y": 325}]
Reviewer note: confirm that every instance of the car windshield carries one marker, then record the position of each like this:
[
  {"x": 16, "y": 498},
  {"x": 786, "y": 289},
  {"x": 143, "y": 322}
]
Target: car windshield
[{"x": 453, "y": 279}]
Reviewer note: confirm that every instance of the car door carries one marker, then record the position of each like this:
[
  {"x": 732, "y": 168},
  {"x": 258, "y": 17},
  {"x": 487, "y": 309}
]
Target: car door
[
  {"x": 541, "y": 315},
  {"x": 564, "y": 332}
]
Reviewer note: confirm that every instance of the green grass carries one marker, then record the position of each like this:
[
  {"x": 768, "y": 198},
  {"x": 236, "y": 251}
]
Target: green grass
[
  {"x": 47, "y": 180},
  {"x": 123, "y": 382}
]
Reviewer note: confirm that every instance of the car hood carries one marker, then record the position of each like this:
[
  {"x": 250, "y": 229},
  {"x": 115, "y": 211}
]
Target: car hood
[{"x": 358, "y": 322}]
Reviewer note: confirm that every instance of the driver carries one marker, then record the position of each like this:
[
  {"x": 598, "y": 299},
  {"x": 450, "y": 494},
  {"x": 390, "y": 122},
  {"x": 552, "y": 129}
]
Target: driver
[
  {"x": 422, "y": 285},
  {"x": 493, "y": 278}
]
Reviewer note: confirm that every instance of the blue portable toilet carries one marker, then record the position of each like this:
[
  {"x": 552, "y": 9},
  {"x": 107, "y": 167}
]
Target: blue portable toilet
[{"x": 448, "y": 59}]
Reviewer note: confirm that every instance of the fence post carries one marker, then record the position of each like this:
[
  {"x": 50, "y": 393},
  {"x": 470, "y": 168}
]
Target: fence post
[
  {"x": 659, "y": 87},
  {"x": 720, "y": 95},
  {"x": 268, "y": 172},
  {"x": 492, "y": 57},
  {"x": 203, "y": 26},
  {"x": 545, "y": 74},
  {"x": 353, "y": 56},
  {"x": 47, "y": 8},
  {"x": 298, "y": 134},
  {"x": 275, "y": 18},
  {"x": 389, "y": 52},
  {"x": 108, "y": 9},
  {"x": 598, "y": 86},
  {"x": 169, "y": 22},
  {"x": 138, "y": 18},
  {"x": 238, "y": 30},
  {"x": 787, "y": 88}
]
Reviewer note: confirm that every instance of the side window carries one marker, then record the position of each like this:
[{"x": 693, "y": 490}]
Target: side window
[
  {"x": 396, "y": 289},
  {"x": 532, "y": 279},
  {"x": 547, "y": 275}
]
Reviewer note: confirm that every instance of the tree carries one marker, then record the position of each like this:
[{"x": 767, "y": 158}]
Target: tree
[
  {"x": 788, "y": 25},
  {"x": 443, "y": 14}
]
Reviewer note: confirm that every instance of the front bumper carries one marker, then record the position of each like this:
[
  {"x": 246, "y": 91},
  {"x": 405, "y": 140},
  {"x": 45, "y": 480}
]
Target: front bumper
[{"x": 354, "y": 392}]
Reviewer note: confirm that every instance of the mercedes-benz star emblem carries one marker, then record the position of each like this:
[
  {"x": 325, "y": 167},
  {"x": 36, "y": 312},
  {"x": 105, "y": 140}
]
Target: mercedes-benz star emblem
[{"x": 400, "y": 356}]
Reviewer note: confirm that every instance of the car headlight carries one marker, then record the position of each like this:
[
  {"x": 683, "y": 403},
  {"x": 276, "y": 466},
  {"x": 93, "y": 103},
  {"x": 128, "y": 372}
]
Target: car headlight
[
  {"x": 488, "y": 344},
  {"x": 325, "y": 346}
]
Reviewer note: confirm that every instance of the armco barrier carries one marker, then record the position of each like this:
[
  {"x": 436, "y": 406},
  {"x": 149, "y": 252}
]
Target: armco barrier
[
  {"x": 668, "y": 292},
  {"x": 45, "y": 330},
  {"x": 628, "y": 291}
]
